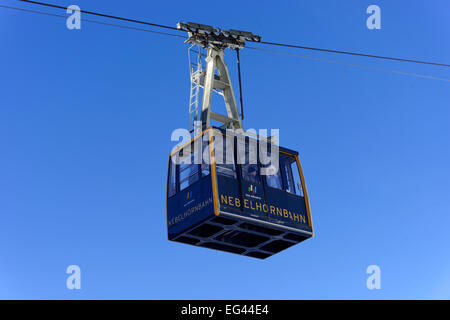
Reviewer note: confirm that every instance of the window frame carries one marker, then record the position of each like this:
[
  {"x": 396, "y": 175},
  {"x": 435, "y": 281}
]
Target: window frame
[
  {"x": 172, "y": 166},
  {"x": 205, "y": 143},
  {"x": 286, "y": 155},
  {"x": 197, "y": 174},
  {"x": 217, "y": 165}
]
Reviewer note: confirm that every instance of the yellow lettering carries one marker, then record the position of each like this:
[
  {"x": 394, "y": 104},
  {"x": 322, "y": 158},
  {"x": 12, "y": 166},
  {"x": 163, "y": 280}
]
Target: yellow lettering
[
  {"x": 223, "y": 199},
  {"x": 236, "y": 202},
  {"x": 279, "y": 212},
  {"x": 272, "y": 209}
]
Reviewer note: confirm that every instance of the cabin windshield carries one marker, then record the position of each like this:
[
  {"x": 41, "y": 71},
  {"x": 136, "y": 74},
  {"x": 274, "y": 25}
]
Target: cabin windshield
[{"x": 292, "y": 175}]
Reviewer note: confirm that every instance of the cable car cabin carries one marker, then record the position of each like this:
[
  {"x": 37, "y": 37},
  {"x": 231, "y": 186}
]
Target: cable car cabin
[{"x": 220, "y": 195}]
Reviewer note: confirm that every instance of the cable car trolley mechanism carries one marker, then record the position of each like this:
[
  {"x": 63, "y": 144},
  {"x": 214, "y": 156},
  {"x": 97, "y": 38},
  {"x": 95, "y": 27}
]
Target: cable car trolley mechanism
[{"x": 228, "y": 189}]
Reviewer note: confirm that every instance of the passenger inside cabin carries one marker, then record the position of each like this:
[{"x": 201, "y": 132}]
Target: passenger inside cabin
[
  {"x": 252, "y": 174},
  {"x": 273, "y": 177}
]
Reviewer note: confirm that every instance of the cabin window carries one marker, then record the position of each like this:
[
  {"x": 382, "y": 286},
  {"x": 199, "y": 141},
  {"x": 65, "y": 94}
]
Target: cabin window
[
  {"x": 224, "y": 156},
  {"x": 172, "y": 183},
  {"x": 188, "y": 170},
  {"x": 292, "y": 175},
  {"x": 205, "y": 159},
  {"x": 228, "y": 170},
  {"x": 248, "y": 161},
  {"x": 273, "y": 177}
]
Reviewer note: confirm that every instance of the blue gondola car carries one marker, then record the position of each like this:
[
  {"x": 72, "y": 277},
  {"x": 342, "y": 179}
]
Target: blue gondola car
[{"x": 220, "y": 200}]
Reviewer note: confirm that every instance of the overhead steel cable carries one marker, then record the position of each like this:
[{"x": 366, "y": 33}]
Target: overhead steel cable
[
  {"x": 416, "y": 75},
  {"x": 104, "y": 15},
  {"x": 261, "y": 42},
  {"x": 95, "y": 21},
  {"x": 353, "y": 53}
]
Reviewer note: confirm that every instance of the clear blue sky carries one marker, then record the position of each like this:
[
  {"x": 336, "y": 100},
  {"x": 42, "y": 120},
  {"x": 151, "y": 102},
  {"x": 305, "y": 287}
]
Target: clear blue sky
[{"x": 85, "y": 124}]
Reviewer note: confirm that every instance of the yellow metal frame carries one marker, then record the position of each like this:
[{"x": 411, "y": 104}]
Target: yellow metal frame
[
  {"x": 213, "y": 173},
  {"x": 187, "y": 143},
  {"x": 305, "y": 192}
]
